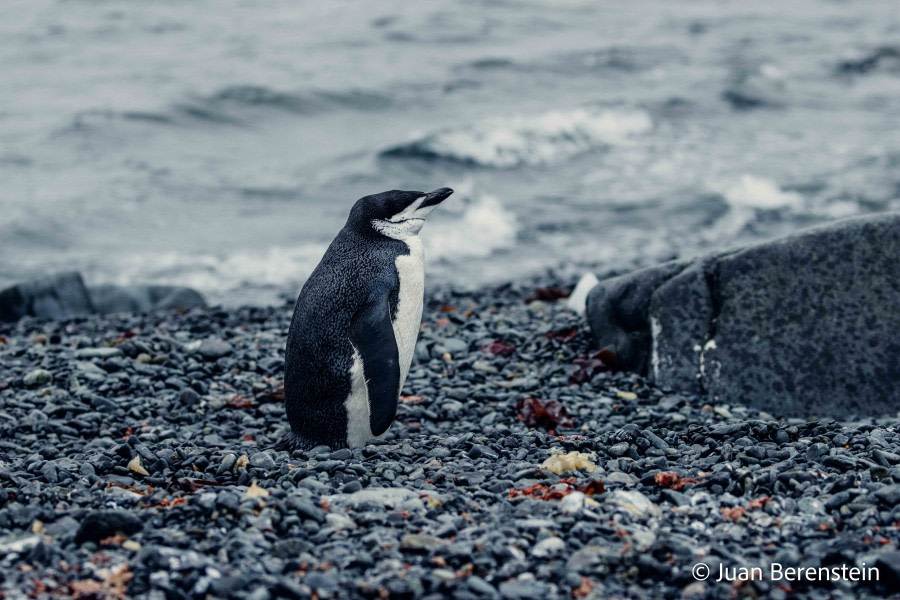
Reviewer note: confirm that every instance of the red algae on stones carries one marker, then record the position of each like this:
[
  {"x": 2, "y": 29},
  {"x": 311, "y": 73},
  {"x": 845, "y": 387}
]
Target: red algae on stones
[{"x": 549, "y": 415}]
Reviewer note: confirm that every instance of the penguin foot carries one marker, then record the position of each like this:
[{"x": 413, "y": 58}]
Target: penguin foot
[{"x": 293, "y": 441}]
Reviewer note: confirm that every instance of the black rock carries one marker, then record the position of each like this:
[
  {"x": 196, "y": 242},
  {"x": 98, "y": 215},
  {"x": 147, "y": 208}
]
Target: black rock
[
  {"x": 65, "y": 295},
  {"x": 655, "y": 440},
  {"x": 228, "y": 500},
  {"x": 305, "y": 508},
  {"x": 50, "y": 473},
  {"x": 109, "y": 299},
  {"x": 52, "y": 297},
  {"x": 675, "y": 497},
  {"x": 618, "y": 313},
  {"x": 480, "y": 450},
  {"x": 888, "y": 564},
  {"x": 797, "y": 326},
  {"x": 342, "y": 454},
  {"x": 351, "y": 486},
  {"x": 189, "y": 398},
  {"x": 262, "y": 460},
  {"x": 102, "y": 524},
  {"x": 104, "y": 405},
  {"x": 889, "y": 495}
]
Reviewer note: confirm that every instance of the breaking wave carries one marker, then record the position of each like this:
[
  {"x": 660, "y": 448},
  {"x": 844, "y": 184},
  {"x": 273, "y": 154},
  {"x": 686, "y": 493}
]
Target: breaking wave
[
  {"x": 483, "y": 227},
  {"x": 507, "y": 142},
  {"x": 750, "y": 191},
  {"x": 749, "y": 199},
  {"x": 217, "y": 274}
]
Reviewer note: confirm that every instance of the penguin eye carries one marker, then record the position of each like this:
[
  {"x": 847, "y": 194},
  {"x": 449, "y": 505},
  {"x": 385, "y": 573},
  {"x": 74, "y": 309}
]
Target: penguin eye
[{"x": 406, "y": 209}]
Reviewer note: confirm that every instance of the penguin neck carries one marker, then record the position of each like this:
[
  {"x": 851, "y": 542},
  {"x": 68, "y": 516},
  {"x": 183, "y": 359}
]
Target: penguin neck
[{"x": 405, "y": 231}]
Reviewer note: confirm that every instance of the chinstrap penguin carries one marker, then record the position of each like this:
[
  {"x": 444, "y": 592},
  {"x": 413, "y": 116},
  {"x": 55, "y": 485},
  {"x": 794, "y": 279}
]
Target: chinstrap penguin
[{"x": 355, "y": 324}]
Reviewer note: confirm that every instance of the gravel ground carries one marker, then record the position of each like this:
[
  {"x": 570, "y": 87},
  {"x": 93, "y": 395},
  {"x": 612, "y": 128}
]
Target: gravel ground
[{"x": 134, "y": 461}]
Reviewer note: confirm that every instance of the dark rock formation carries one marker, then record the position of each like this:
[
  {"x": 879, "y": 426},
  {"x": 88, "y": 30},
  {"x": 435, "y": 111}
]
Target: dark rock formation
[
  {"x": 64, "y": 295},
  {"x": 52, "y": 297},
  {"x": 618, "y": 309},
  {"x": 102, "y": 524},
  {"x": 144, "y": 298},
  {"x": 807, "y": 324}
]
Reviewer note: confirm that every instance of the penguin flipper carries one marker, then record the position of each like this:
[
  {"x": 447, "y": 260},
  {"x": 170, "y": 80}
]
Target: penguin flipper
[{"x": 372, "y": 334}]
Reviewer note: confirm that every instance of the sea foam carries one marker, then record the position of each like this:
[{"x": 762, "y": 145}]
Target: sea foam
[
  {"x": 478, "y": 227},
  {"x": 483, "y": 227},
  {"x": 220, "y": 273},
  {"x": 506, "y": 142},
  {"x": 750, "y": 191}
]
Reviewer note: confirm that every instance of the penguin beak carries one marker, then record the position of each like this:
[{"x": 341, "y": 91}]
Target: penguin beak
[
  {"x": 436, "y": 197},
  {"x": 421, "y": 207}
]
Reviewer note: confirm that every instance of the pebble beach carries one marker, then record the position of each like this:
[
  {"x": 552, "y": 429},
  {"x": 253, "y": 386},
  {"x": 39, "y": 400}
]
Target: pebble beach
[{"x": 136, "y": 461}]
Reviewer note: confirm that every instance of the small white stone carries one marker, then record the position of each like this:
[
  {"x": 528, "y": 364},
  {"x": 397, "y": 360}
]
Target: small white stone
[
  {"x": 444, "y": 574},
  {"x": 97, "y": 352},
  {"x": 722, "y": 411},
  {"x": 516, "y": 553},
  {"x": 37, "y": 377},
  {"x": 550, "y": 546},
  {"x": 572, "y": 504},
  {"x": 16, "y": 545},
  {"x": 135, "y": 465},
  {"x": 633, "y": 502},
  {"x": 339, "y": 521}
]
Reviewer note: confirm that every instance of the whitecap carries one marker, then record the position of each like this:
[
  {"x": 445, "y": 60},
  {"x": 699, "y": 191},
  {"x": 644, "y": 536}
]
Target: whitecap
[
  {"x": 506, "y": 142},
  {"x": 750, "y": 191},
  {"x": 218, "y": 274},
  {"x": 749, "y": 196},
  {"x": 483, "y": 227}
]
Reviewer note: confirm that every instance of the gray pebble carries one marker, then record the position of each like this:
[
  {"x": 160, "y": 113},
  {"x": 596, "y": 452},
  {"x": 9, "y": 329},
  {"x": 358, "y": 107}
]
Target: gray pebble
[
  {"x": 262, "y": 460},
  {"x": 37, "y": 377},
  {"x": 214, "y": 348}
]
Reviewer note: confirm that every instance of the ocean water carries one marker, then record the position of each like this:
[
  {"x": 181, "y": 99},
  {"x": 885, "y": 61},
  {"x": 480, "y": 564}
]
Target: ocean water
[{"x": 221, "y": 143}]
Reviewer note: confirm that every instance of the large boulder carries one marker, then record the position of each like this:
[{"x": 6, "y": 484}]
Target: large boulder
[
  {"x": 618, "y": 308},
  {"x": 803, "y": 325},
  {"x": 64, "y": 295},
  {"x": 52, "y": 297},
  {"x": 144, "y": 298}
]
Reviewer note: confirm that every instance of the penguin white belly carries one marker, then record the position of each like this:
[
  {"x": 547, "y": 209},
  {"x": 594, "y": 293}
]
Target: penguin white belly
[
  {"x": 408, "y": 320},
  {"x": 359, "y": 427},
  {"x": 406, "y": 324}
]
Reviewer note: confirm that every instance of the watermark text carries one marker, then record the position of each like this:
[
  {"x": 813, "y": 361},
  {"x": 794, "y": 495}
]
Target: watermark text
[{"x": 779, "y": 572}]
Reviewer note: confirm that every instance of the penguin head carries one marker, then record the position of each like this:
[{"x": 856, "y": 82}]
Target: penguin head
[{"x": 396, "y": 214}]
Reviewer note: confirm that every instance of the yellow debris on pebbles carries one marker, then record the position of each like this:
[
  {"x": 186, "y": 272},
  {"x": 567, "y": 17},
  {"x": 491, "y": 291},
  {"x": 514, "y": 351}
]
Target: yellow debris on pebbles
[
  {"x": 135, "y": 465},
  {"x": 561, "y": 463},
  {"x": 242, "y": 462},
  {"x": 255, "y": 491},
  {"x": 626, "y": 395}
]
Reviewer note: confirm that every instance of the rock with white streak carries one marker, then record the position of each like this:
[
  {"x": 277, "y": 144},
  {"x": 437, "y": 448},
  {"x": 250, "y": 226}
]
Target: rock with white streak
[{"x": 803, "y": 325}]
